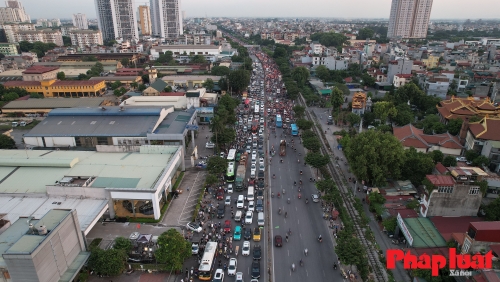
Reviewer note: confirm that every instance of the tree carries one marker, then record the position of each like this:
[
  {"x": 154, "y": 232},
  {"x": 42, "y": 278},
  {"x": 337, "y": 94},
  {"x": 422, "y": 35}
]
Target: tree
[
  {"x": 36, "y": 96},
  {"x": 211, "y": 179},
  {"x": 61, "y": 75},
  {"x": 343, "y": 88},
  {"x": 470, "y": 155},
  {"x": 167, "y": 89},
  {"x": 122, "y": 243},
  {"x": 449, "y": 161},
  {"x": 299, "y": 111},
  {"x": 223, "y": 84},
  {"x": 172, "y": 250},
  {"x": 404, "y": 115},
  {"x": 374, "y": 156},
  {"x": 481, "y": 161},
  {"x": 6, "y": 142},
  {"x": 66, "y": 41},
  {"x": 89, "y": 59},
  {"x": 326, "y": 186},
  {"x": 209, "y": 84},
  {"x": 141, "y": 87},
  {"x": 145, "y": 78},
  {"x": 492, "y": 210},
  {"x": 216, "y": 165},
  {"x": 347, "y": 245},
  {"x": 300, "y": 75},
  {"x": 390, "y": 224},
  {"x": 304, "y": 124},
  {"x": 323, "y": 73},
  {"x": 198, "y": 59},
  {"x": 353, "y": 119},
  {"x": 109, "y": 262},
  {"x": 311, "y": 143},
  {"x": 220, "y": 71},
  {"x": 116, "y": 85},
  {"x": 365, "y": 33},
  {"x": 119, "y": 92},
  {"x": 437, "y": 156},
  {"x": 280, "y": 52},
  {"x": 11, "y": 96},
  {"x": 125, "y": 61},
  {"x": 383, "y": 110},
  {"x": 417, "y": 165},
  {"x": 134, "y": 85},
  {"x": 239, "y": 80},
  {"x": 337, "y": 98},
  {"x": 316, "y": 160},
  {"x": 454, "y": 126}
]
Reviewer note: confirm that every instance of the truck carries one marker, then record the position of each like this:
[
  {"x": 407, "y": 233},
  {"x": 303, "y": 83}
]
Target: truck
[
  {"x": 240, "y": 177},
  {"x": 282, "y": 147}
]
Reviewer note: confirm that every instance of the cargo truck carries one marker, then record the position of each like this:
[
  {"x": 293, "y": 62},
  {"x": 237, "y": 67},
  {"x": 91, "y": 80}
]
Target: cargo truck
[
  {"x": 282, "y": 147},
  {"x": 240, "y": 177}
]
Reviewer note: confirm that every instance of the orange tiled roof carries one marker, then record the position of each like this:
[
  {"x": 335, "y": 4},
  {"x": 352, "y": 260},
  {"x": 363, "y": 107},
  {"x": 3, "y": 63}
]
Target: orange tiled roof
[
  {"x": 486, "y": 129},
  {"x": 467, "y": 107},
  {"x": 411, "y": 136}
]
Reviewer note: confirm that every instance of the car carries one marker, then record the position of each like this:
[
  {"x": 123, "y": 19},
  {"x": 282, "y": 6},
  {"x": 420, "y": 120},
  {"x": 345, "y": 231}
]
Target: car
[
  {"x": 240, "y": 203},
  {"x": 218, "y": 276},
  {"x": 221, "y": 211},
  {"x": 193, "y": 226},
  {"x": 259, "y": 205},
  {"x": 257, "y": 252},
  {"x": 261, "y": 160},
  {"x": 245, "y": 251},
  {"x": 287, "y": 120},
  {"x": 255, "y": 269},
  {"x": 237, "y": 233},
  {"x": 253, "y": 166},
  {"x": 251, "y": 206},
  {"x": 247, "y": 233},
  {"x": 227, "y": 202},
  {"x": 249, "y": 217},
  {"x": 315, "y": 198},
  {"x": 195, "y": 248},
  {"x": 261, "y": 184},
  {"x": 262, "y": 120},
  {"x": 252, "y": 173},
  {"x": 468, "y": 162},
  {"x": 254, "y": 280},
  {"x": 256, "y": 234},
  {"x": 278, "y": 241},
  {"x": 209, "y": 145},
  {"x": 220, "y": 194},
  {"x": 239, "y": 277},
  {"x": 260, "y": 195},
  {"x": 254, "y": 155},
  {"x": 461, "y": 159},
  {"x": 249, "y": 149},
  {"x": 230, "y": 189},
  {"x": 221, "y": 154},
  {"x": 262, "y": 167},
  {"x": 227, "y": 226},
  {"x": 231, "y": 268}
]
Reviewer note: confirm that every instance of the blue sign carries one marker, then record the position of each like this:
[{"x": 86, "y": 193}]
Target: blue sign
[
  {"x": 192, "y": 127},
  {"x": 205, "y": 110}
]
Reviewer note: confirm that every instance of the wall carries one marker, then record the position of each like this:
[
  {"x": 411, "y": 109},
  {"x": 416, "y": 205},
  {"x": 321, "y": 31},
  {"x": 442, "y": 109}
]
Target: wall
[
  {"x": 458, "y": 203},
  {"x": 446, "y": 151},
  {"x": 33, "y": 141},
  {"x": 60, "y": 141}
]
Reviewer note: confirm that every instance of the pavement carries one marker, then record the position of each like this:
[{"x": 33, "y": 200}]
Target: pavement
[{"x": 382, "y": 239}]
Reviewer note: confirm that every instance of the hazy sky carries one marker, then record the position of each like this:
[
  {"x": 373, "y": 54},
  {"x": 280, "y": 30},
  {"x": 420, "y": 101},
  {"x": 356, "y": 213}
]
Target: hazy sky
[{"x": 456, "y": 9}]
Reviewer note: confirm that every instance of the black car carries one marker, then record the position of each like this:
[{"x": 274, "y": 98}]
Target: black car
[
  {"x": 247, "y": 233},
  {"x": 255, "y": 269},
  {"x": 260, "y": 194},
  {"x": 257, "y": 252},
  {"x": 261, "y": 174},
  {"x": 221, "y": 211},
  {"x": 259, "y": 206},
  {"x": 260, "y": 184}
]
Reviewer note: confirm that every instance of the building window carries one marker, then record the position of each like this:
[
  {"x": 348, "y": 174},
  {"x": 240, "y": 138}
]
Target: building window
[
  {"x": 474, "y": 191},
  {"x": 445, "y": 189},
  {"x": 102, "y": 140}
]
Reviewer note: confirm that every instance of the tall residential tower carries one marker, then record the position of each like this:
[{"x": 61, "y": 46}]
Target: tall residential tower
[
  {"x": 409, "y": 18},
  {"x": 166, "y": 18},
  {"x": 13, "y": 12},
  {"x": 116, "y": 19},
  {"x": 145, "y": 20},
  {"x": 80, "y": 21}
]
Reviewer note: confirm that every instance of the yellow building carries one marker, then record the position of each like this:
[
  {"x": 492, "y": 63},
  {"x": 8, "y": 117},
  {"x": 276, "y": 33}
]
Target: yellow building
[
  {"x": 61, "y": 88},
  {"x": 431, "y": 62}
]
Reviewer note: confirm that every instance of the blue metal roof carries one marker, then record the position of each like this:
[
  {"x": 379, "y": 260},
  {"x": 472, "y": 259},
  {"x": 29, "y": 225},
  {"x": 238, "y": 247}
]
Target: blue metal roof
[{"x": 106, "y": 111}]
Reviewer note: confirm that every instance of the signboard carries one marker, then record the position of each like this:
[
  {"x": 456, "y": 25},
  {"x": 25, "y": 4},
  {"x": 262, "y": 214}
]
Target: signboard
[
  {"x": 402, "y": 225},
  {"x": 192, "y": 127},
  {"x": 205, "y": 110}
]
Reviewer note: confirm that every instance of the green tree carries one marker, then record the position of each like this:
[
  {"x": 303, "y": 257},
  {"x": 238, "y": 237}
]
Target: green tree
[
  {"x": 384, "y": 110},
  {"x": 220, "y": 71},
  {"x": 347, "y": 245},
  {"x": 316, "y": 160},
  {"x": 449, "y": 161},
  {"x": 337, "y": 98},
  {"x": 454, "y": 126},
  {"x": 470, "y": 155},
  {"x": 304, "y": 124},
  {"x": 481, "y": 161},
  {"x": 437, "y": 156},
  {"x": 299, "y": 111},
  {"x": 167, "y": 89},
  {"x": 216, "y": 165},
  {"x": 141, "y": 87},
  {"x": 404, "y": 115},
  {"x": 89, "y": 59},
  {"x": 36, "y": 96},
  {"x": 390, "y": 224},
  {"x": 209, "y": 84},
  {"x": 492, "y": 210},
  {"x": 11, "y": 96},
  {"x": 125, "y": 61},
  {"x": 116, "y": 85},
  {"x": 326, "y": 186},
  {"x": 6, "y": 142},
  {"x": 109, "y": 262},
  {"x": 353, "y": 119},
  {"x": 300, "y": 75},
  {"x": 374, "y": 156},
  {"x": 172, "y": 250},
  {"x": 66, "y": 41},
  {"x": 311, "y": 143},
  {"x": 239, "y": 80},
  {"x": 223, "y": 84},
  {"x": 211, "y": 179},
  {"x": 323, "y": 73},
  {"x": 61, "y": 75},
  {"x": 280, "y": 52},
  {"x": 198, "y": 59},
  {"x": 365, "y": 33},
  {"x": 122, "y": 243},
  {"x": 134, "y": 85},
  {"x": 417, "y": 165},
  {"x": 344, "y": 89}
]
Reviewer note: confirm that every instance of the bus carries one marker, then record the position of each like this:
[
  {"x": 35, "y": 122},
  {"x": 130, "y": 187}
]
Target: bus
[
  {"x": 295, "y": 129},
  {"x": 231, "y": 155},
  {"x": 279, "y": 122},
  {"x": 207, "y": 264},
  {"x": 230, "y": 172},
  {"x": 257, "y": 108}
]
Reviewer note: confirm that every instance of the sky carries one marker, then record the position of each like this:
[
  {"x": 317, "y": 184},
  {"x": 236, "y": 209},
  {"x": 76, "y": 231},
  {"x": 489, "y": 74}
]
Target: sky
[{"x": 442, "y": 9}]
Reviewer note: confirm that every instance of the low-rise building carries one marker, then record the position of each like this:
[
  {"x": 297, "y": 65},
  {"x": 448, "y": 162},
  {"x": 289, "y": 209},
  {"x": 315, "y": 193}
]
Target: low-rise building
[
  {"x": 360, "y": 103},
  {"x": 437, "y": 86},
  {"x": 181, "y": 52},
  {"x": 82, "y": 38},
  {"x": 483, "y": 137},
  {"x": 410, "y": 136},
  {"x": 399, "y": 66},
  {"x": 9, "y": 49},
  {"x": 401, "y": 80},
  {"x": 480, "y": 236},
  {"x": 61, "y": 88},
  {"x": 45, "y": 36},
  {"x": 39, "y": 73}
]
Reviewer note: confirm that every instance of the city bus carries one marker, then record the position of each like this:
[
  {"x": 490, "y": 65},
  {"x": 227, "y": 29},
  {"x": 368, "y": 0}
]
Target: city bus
[
  {"x": 279, "y": 122},
  {"x": 231, "y": 155},
  {"x": 295, "y": 129},
  {"x": 230, "y": 172},
  {"x": 207, "y": 264}
]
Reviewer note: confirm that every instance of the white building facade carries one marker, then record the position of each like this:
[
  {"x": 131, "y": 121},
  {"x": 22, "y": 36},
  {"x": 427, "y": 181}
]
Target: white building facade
[
  {"x": 409, "y": 18},
  {"x": 13, "y": 13},
  {"x": 82, "y": 38},
  {"x": 116, "y": 19},
  {"x": 80, "y": 21},
  {"x": 166, "y": 20}
]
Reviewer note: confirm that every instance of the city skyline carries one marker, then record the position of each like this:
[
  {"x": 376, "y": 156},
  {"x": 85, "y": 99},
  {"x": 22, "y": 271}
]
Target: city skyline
[{"x": 443, "y": 9}]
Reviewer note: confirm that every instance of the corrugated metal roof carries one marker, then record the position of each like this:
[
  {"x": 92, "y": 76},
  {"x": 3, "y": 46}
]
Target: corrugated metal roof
[
  {"x": 52, "y": 103},
  {"x": 424, "y": 233}
]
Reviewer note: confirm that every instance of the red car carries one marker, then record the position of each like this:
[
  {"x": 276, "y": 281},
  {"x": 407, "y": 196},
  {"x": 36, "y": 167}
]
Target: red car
[
  {"x": 227, "y": 226},
  {"x": 220, "y": 194}
]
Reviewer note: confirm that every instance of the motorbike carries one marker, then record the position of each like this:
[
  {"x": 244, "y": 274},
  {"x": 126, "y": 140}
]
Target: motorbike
[
  {"x": 288, "y": 200},
  {"x": 279, "y": 196},
  {"x": 307, "y": 201},
  {"x": 272, "y": 195},
  {"x": 300, "y": 196},
  {"x": 320, "y": 239}
]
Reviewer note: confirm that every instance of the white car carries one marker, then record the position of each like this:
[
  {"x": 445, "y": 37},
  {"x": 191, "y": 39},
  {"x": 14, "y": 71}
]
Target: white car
[
  {"x": 254, "y": 155},
  {"x": 209, "y": 145},
  {"x": 193, "y": 226},
  {"x": 231, "y": 269},
  {"x": 253, "y": 166},
  {"x": 249, "y": 217},
  {"x": 227, "y": 202},
  {"x": 249, "y": 149},
  {"x": 461, "y": 159},
  {"x": 230, "y": 188},
  {"x": 239, "y": 277},
  {"x": 262, "y": 120},
  {"x": 246, "y": 248},
  {"x": 261, "y": 160},
  {"x": 221, "y": 154},
  {"x": 251, "y": 206},
  {"x": 252, "y": 173},
  {"x": 240, "y": 203},
  {"x": 219, "y": 275},
  {"x": 195, "y": 249}
]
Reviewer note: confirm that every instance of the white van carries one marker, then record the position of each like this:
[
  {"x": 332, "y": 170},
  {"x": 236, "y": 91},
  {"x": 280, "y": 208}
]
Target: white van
[
  {"x": 238, "y": 215},
  {"x": 250, "y": 194},
  {"x": 260, "y": 219},
  {"x": 241, "y": 202}
]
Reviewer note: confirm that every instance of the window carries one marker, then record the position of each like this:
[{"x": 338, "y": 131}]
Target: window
[
  {"x": 474, "y": 191},
  {"x": 445, "y": 189}
]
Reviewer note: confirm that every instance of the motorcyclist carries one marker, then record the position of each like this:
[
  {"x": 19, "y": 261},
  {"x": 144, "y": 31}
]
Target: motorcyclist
[
  {"x": 301, "y": 172},
  {"x": 307, "y": 200},
  {"x": 274, "y": 176},
  {"x": 295, "y": 183},
  {"x": 320, "y": 238},
  {"x": 306, "y": 251},
  {"x": 286, "y": 214}
]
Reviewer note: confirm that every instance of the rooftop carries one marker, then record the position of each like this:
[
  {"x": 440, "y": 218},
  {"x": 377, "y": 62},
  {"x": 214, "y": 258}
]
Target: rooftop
[
  {"x": 486, "y": 129},
  {"x": 486, "y": 225},
  {"x": 54, "y": 103},
  {"x": 441, "y": 180},
  {"x": 424, "y": 233},
  {"x": 185, "y": 78},
  {"x": 39, "y": 69},
  {"x": 447, "y": 225}
]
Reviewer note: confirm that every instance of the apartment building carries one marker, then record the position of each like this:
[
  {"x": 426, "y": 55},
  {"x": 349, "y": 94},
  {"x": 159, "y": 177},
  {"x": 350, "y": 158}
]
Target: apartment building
[
  {"x": 45, "y": 23},
  {"x": 399, "y": 66},
  {"x": 409, "y": 18},
  {"x": 166, "y": 19},
  {"x": 45, "y": 36},
  {"x": 80, "y": 21},
  {"x": 13, "y": 13},
  {"x": 145, "y": 20},
  {"x": 116, "y": 19},
  {"x": 82, "y": 38},
  {"x": 9, "y": 49},
  {"x": 11, "y": 28}
]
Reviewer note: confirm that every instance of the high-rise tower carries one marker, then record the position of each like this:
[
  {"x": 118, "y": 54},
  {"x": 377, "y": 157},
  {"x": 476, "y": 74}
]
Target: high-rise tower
[
  {"x": 409, "y": 18},
  {"x": 13, "y": 12},
  {"x": 166, "y": 18},
  {"x": 116, "y": 19},
  {"x": 145, "y": 20},
  {"x": 80, "y": 21}
]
